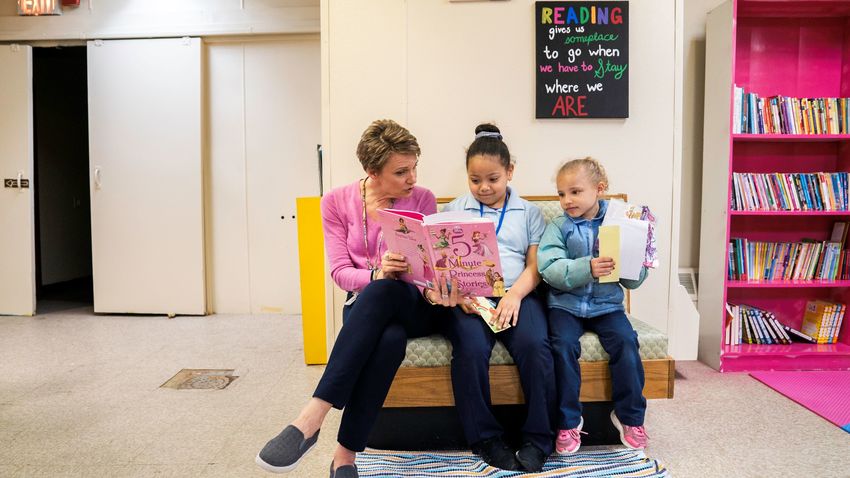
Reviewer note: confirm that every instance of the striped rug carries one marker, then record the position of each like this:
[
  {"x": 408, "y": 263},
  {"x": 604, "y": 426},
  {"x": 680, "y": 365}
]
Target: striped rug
[{"x": 591, "y": 463}]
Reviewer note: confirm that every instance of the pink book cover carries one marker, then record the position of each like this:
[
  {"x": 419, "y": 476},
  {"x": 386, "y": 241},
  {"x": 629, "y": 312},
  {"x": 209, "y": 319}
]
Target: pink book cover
[{"x": 455, "y": 245}]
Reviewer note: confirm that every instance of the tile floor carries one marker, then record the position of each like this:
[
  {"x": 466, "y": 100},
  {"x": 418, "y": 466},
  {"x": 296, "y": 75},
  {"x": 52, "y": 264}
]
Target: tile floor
[{"x": 80, "y": 396}]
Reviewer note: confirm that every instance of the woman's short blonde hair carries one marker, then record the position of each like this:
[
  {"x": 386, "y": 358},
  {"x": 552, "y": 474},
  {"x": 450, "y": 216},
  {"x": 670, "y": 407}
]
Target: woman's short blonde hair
[
  {"x": 381, "y": 139},
  {"x": 589, "y": 165}
]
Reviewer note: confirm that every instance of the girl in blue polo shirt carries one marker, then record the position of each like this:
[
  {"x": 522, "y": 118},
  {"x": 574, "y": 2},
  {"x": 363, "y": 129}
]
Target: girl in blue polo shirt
[{"x": 519, "y": 226}]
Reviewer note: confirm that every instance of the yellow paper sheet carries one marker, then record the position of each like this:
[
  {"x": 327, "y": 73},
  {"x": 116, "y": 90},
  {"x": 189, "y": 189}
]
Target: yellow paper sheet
[{"x": 609, "y": 246}]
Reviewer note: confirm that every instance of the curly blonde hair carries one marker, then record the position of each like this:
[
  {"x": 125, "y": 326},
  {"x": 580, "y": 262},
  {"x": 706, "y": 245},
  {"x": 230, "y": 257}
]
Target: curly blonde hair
[
  {"x": 381, "y": 139},
  {"x": 593, "y": 168}
]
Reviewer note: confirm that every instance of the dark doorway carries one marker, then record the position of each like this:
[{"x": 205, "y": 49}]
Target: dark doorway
[{"x": 63, "y": 251}]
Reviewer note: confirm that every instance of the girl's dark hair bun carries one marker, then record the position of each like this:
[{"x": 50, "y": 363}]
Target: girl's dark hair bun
[{"x": 489, "y": 141}]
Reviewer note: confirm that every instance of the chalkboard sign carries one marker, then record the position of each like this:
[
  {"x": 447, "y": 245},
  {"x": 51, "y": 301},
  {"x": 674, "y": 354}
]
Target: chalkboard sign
[{"x": 582, "y": 59}]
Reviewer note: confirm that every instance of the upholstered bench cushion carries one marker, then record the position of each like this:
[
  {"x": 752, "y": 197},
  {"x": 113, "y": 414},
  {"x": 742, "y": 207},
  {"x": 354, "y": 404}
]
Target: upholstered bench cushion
[{"x": 436, "y": 350}]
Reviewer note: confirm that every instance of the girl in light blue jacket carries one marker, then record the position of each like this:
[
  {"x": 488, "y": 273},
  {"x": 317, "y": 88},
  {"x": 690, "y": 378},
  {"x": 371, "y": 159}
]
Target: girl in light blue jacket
[{"x": 568, "y": 262}]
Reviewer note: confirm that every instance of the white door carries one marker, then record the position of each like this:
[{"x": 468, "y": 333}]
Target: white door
[
  {"x": 146, "y": 191},
  {"x": 17, "y": 258}
]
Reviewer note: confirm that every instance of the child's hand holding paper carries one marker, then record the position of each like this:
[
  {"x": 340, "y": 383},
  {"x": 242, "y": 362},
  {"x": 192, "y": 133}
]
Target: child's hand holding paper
[
  {"x": 487, "y": 310},
  {"x": 609, "y": 247}
]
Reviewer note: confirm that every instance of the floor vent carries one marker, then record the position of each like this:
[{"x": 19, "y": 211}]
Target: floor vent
[
  {"x": 689, "y": 278},
  {"x": 200, "y": 379}
]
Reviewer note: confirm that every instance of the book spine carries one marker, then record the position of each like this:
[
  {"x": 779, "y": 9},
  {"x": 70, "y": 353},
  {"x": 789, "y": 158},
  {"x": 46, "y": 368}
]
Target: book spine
[
  {"x": 776, "y": 325},
  {"x": 800, "y": 335},
  {"x": 766, "y": 325},
  {"x": 838, "y": 324},
  {"x": 736, "y": 110}
]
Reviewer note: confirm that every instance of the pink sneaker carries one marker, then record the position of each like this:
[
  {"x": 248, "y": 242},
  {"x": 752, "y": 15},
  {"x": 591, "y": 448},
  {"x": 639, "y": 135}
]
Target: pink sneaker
[
  {"x": 569, "y": 441},
  {"x": 632, "y": 437}
]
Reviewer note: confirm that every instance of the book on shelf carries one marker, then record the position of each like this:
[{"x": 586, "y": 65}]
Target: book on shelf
[
  {"x": 754, "y": 114},
  {"x": 751, "y": 325},
  {"x": 822, "y": 321},
  {"x": 746, "y": 324},
  {"x": 818, "y": 191},
  {"x": 451, "y": 245},
  {"x": 839, "y": 232},
  {"x": 782, "y": 261},
  {"x": 798, "y": 335}
]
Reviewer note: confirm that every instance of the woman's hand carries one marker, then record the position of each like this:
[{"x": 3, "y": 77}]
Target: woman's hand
[
  {"x": 445, "y": 294},
  {"x": 508, "y": 310},
  {"x": 601, "y": 266},
  {"x": 391, "y": 266}
]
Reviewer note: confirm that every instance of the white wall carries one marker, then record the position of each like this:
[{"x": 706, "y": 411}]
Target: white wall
[
  {"x": 384, "y": 58},
  {"x": 162, "y": 18},
  {"x": 694, "y": 92}
]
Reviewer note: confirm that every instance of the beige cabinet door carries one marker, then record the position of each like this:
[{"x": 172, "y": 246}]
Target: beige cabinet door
[
  {"x": 146, "y": 176},
  {"x": 264, "y": 125},
  {"x": 17, "y": 256},
  {"x": 283, "y": 118}
]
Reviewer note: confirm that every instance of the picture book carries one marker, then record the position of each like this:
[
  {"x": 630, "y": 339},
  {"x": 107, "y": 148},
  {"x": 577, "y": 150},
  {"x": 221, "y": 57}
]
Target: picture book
[
  {"x": 487, "y": 310},
  {"x": 815, "y": 316},
  {"x": 452, "y": 245}
]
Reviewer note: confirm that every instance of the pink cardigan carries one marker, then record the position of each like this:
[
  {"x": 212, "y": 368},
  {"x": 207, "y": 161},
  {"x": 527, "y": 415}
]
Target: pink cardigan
[{"x": 342, "y": 222}]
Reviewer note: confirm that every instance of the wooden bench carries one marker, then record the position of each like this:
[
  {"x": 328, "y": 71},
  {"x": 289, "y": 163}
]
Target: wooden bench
[{"x": 431, "y": 385}]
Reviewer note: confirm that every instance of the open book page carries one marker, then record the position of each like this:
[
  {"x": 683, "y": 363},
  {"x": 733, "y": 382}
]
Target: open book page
[
  {"x": 404, "y": 233},
  {"x": 452, "y": 216}
]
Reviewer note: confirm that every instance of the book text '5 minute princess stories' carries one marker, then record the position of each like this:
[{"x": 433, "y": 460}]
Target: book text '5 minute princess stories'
[{"x": 451, "y": 245}]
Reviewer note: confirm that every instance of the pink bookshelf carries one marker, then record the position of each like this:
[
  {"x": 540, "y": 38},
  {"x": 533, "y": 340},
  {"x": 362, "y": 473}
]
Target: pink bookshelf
[
  {"x": 786, "y": 284},
  {"x": 788, "y": 48},
  {"x": 773, "y": 138},
  {"x": 748, "y": 357}
]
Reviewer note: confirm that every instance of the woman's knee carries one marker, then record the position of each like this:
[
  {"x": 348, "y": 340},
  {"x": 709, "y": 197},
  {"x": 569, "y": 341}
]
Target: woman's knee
[
  {"x": 392, "y": 345},
  {"x": 386, "y": 290}
]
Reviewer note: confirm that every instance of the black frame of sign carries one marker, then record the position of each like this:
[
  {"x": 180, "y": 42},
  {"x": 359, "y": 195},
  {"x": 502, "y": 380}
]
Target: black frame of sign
[{"x": 582, "y": 59}]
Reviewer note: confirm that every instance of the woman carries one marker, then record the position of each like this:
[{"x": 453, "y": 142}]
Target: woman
[{"x": 381, "y": 312}]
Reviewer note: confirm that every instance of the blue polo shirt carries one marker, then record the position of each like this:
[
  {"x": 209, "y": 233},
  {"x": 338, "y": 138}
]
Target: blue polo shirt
[{"x": 522, "y": 227}]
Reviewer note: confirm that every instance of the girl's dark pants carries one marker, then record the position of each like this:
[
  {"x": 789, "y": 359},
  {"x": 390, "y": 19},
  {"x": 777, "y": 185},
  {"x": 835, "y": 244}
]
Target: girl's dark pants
[
  {"x": 528, "y": 343},
  {"x": 619, "y": 339}
]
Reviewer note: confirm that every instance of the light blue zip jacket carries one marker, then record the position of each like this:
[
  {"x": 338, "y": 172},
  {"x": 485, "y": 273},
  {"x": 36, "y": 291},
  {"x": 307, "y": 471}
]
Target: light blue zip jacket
[{"x": 563, "y": 259}]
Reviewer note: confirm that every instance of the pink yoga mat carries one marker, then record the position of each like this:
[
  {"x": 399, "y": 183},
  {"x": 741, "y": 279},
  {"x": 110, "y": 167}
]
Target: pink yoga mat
[{"x": 827, "y": 393}]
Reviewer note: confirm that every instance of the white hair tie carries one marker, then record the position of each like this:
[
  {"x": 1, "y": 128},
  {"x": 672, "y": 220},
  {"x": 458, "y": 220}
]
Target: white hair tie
[{"x": 489, "y": 134}]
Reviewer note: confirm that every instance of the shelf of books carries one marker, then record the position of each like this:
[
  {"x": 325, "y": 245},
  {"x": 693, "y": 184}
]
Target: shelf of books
[
  {"x": 774, "y": 263},
  {"x": 779, "y": 138},
  {"x": 790, "y": 213}
]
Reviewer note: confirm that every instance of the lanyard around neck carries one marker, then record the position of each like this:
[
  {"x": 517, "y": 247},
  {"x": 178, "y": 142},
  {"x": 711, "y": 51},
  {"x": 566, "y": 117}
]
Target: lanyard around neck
[
  {"x": 501, "y": 215},
  {"x": 370, "y": 264}
]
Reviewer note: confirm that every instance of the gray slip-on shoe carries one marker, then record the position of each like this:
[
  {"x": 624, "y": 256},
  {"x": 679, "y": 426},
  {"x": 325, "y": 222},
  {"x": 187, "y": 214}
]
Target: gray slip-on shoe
[
  {"x": 345, "y": 471},
  {"x": 283, "y": 452}
]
